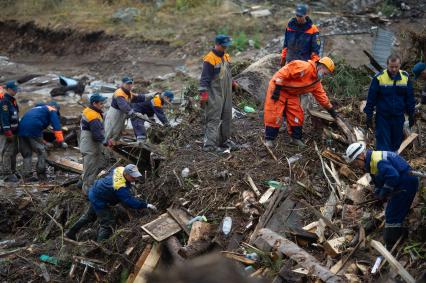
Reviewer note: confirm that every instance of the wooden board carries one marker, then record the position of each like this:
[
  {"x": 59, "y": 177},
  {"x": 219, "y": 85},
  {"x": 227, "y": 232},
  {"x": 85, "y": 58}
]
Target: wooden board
[
  {"x": 181, "y": 217},
  {"x": 238, "y": 257},
  {"x": 265, "y": 197},
  {"x": 392, "y": 261},
  {"x": 149, "y": 265},
  {"x": 331, "y": 247},
  {"x": 407, "y": 141},
  {"x": 139, "y": 263},
  {"x": 65, "y": 164},
  {"x": 162, "y": 227}
]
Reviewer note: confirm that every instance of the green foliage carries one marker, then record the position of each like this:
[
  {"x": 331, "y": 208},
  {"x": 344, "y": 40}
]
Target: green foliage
[
  {"x": 187, "y": 4},
  {"x": 387, "y": 8},
  {"x": 347, "y": 81},
  {"x": 240, "y": 41}
]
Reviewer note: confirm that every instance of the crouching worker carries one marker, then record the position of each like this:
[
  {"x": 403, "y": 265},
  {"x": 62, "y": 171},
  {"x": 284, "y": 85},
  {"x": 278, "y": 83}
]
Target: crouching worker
[
  {"x": 106, "y": 192},
  {"x": 393, "y": 182},
  {"x": 150, "y": 106},
  {"x": 31, "y": 128}
]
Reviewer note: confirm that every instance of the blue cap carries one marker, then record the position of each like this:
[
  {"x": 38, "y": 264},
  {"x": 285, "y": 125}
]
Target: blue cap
[
  {"x": 127, "y": 80},
  {"x": 418, "y": 69},
  {"x": 223, "y": 40},
  {"x": 169, "y": 94},
  {"x": 12, "y": 85},
  {"x": 301, "y": 10},
  {"x": 96, "y": 97}
]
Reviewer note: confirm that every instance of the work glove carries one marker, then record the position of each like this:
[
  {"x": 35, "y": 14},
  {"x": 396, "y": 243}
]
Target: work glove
[
  {"x": 204, "y": 97},
  {"x": 411, "y": 120},
  {"x": 369, "y": 123},
  {"x": 108, "y": 143},
  {"x": 152, "y": 207},
  {"x": 332, "y": 112},
  {"x": 276, "y": 94}
]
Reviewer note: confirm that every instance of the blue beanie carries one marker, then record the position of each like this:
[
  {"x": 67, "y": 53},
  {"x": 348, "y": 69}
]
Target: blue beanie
[{"x": 169, "y": 94}]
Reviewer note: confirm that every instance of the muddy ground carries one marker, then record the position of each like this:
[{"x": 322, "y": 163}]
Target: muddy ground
[{"x": 215, "y": 182}]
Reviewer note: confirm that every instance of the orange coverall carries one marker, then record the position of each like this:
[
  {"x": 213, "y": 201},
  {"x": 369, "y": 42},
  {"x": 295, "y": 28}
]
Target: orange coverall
[{"x": 296, "y": 78}]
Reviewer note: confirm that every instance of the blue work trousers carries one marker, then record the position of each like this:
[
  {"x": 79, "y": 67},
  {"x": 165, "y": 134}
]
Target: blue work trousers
[
  {"x": 389, "y": 132},
  {"x": 400, "y": 202}
]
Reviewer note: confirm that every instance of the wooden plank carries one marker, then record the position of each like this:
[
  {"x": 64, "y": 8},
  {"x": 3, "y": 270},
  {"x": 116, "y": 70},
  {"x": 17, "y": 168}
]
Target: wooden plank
[
  {"x": 65, "y": 164},
  {"x": 364, "y": 180},
  {"x": 299, "y": 255},
  {"x": 149, "y": 265},
  {"x": 253, "y": 185},
  {"x": 407, "y": 141},
  {"x": 238, "y": 257},
  {"x": 331, "y": 247},
  {"x": 265, "y": 197},
  {"x": 319, "y": 215},
  {"x": 392, "y": 261},
  {"x": 199, "y": 231},
  {"x": 162, "y": 227},
  {"x": 139, "y": 263},
  {"x": 181, "y": 217}
]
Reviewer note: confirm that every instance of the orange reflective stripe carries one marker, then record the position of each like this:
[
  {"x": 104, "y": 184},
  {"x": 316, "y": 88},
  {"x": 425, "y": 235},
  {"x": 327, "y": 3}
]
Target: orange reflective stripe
[
  {"x": 59, "y": 136},
  {"x": 156, "y": 101},
  {"x": 120, "y": 92},
  {"x": 214, "y": 59}
]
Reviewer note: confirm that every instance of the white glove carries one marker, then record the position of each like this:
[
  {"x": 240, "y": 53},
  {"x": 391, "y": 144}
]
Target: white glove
[{"x": 152, "y": 207}]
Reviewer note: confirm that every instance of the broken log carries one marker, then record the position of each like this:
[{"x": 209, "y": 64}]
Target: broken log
[
  {"x": 253, "y": 185},
  {"x": 392, "y": 261},
  {"x": 299, "y": 255}
]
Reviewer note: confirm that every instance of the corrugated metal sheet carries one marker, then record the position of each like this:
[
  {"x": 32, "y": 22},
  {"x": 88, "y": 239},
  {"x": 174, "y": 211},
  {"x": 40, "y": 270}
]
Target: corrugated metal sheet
[{"x": 383, "y": 45}]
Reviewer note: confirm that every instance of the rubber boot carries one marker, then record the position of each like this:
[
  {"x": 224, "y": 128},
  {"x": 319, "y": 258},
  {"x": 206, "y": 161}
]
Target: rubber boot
[
  {"x": 104, "y": 233},
  {"x": 269, "y": 143},
  {"x": 86, "y": 218},
  {"x": 299, "y": 143},
  {"x": 392, "y": 234},
  {"x": 11, "y": 179}
]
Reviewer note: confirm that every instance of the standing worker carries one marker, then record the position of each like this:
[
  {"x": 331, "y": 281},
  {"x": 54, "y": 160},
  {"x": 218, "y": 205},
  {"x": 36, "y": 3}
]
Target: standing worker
[
  {"x": 91, "y": 140},
  {"x": 391, "y": 94},
  {"x": 31, "y": 128},
  {"x": 119, "y": 111},
  {"x": 106, "y": 192},
  {"x": 9, "y": 130},
  {"x": 301, "y": 38},
  {"x": 283, "y": 97},
  {"x": 393, "y": 182},
  {"x": 216, "y": 86},
  {"x": 150, "y": 106}
]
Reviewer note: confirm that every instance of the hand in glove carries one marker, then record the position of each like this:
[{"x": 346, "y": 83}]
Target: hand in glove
[
  {"x": 411, "y": 120},
  {"x": 108, "y": 143},
  {"x": 332, "y": 112},
  {"x": 276, "y": 94},
  {"x": 152, "y": 207},
  {"x": 204, "y": 97}
]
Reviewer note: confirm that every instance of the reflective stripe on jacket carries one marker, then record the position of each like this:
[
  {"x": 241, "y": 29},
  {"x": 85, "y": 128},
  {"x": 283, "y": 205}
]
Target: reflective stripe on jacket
[
  {"x": 390, "y": 96},
  {"x": 121, "y": 100},
  {"x": 92, "y": 120},
  {"x": 386, "y": 167},
  {"x": 212, "y": 64}
]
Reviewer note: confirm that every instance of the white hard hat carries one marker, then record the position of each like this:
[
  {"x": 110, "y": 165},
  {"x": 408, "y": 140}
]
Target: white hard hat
[{"x": 353, "y": 151}]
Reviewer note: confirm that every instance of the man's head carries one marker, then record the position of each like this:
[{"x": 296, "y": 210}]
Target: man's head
[
  {"x": 419, "y": 71},
  {"x": 11, "y": 88},
  {"x": 127, "y": 83},
  {"x": 325, "y": 67},
  {"x": 97, "y": 101},
  {"x": 355, "y": 154},
  {"x": 301, "y": 13},
  {"x": 222, "y": 41},
  {"x": 131, "y": 172},
  {"x": 168, "y": 96},
  {"x": 393, "y": 64}
]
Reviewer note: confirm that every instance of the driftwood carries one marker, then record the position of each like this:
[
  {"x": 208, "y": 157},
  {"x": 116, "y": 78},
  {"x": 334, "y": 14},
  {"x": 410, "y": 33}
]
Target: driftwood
[
  {"x": 296, "y": 253},
  {"x": 392, "y": 261}
]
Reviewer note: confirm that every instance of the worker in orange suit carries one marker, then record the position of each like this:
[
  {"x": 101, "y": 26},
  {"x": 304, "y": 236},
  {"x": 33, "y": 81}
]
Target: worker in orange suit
[{"x": 283, "y": 97}]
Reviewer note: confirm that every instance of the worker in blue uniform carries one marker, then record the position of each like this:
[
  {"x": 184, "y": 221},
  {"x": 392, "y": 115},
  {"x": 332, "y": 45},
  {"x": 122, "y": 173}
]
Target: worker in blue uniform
[
  {"x": 150, "y": 106},
  {"x": 391, "y": 95},
  {"x": 393, "y": 183},
  {"x": 9, "y": 129},
  {"x": 31, "y": 128},
  {"x": 106, "y": 192}
]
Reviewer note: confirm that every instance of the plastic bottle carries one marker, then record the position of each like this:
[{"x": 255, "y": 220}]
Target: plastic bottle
[
  {"x": 227, "y": 225},
  {"x": 185, "y": 172},
  {"x": 49, "y": 259},
  {"x": 197, "y": 218},
  {"x": 252, "y": 256}
]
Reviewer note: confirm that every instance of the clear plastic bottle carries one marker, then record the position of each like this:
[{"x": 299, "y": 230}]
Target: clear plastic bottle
[{"x": 227, "y": 225}]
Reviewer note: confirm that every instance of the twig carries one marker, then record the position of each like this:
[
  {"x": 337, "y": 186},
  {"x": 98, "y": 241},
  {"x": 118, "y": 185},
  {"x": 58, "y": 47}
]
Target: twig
[
  {"x": 318, "y": 214},
  {"x": 324, "y": 172},
  {"x": 269, "y": 150},
  {"x": 59, "y": 225}
]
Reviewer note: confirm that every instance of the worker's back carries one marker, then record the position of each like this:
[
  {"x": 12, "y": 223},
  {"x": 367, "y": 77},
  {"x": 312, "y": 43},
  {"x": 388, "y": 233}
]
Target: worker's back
[{"x": 35, "y": 121}]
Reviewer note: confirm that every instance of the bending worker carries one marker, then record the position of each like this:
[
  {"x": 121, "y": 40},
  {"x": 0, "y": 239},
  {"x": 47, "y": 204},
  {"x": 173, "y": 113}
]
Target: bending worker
[
  {"x": 31, "y": 128},
  {"x": 283, "y": 97},
  {"x": 120, "y": 110},
  {"x": 393, "y": 182},
  {"x": 391, "y": 95},
  {"x": 9, "y": 130},
  {"x": 91, "y": 140},
  {"x": 419, "y": 71},
  {"x": 150, "y": 106},
  {"x": 106, "y": 192}
]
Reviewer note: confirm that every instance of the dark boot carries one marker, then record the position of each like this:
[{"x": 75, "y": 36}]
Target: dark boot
[
  {"x": 392, "y": 234},
  {"x": 11, "y": 179},
  {"x": 106, "y": 221},
  {"x": 86, "y": 218}
]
